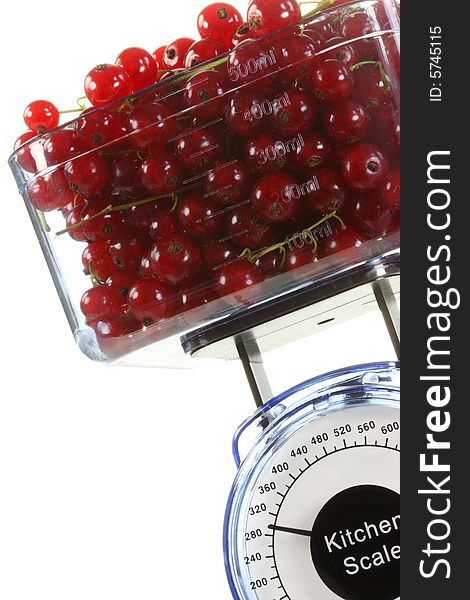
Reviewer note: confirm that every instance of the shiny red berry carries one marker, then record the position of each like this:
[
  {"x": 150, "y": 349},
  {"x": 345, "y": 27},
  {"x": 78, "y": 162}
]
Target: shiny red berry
[
  {"x": 242, "y": 34},
  {"x": 247, "y": 229},
  {"x": 198, "y": 149},
  {"x": 205, "y": 93},
  {"x": 24, "y": 152},
  {"x": 105, "y": 227},
  {"x": 299, "y": 257},
  {"x": 151, "y": 300},
  {"x": 228, "y": 183},
  {"x": 215, "y": 253},
  {"x": 202, "y": 51},
  {"x": 120, "y": 282},
  {"x": 341, "y": 240},
  {"x": 356, "y": 26},
  {"x": 140, "y": 65},
  {"x": 60, "y": 146},
  {"x": 40, "y": 116},
  {"x": 364, "y": 166},
  {"x": 219, "y": 21},
  {"x": 199, "y": 216},
  {"x": 87, "y": 174},
  {"x": 124, "y": 176},
  {"x": 112, "y": 327},
  {"x": 390, "y": 190},
  {"x": 268, "y": 16},
  {"x": 244, "y": 113},
  {"x": 253, "y": 63},
  {"x": 97, "y": 128},
  {"x": 97, "y": 260},
  {"x": 297, "y": 116},
  {"x": 340, "y": 50},
  {"x": 346, "y": 121},
  {"x": 372, "y": 87},
  {"x": 151, "y": 125},
  {"x": 107, "y": 83},
  {"x": 50, "y": 191},
  {"x": 329, "y": 194},
  {"x": 333, "y": 80},
  {"x": 297, "y": 57},
  {"x": 268, "y": 152},
  {"x": 273, "y": 198},
  {"x": 99, "y": 302},
  {"x": 367, "y": 213},
  {"x": 237, "y": 279},
  {"x": 177, "y": 259},
  {"x": 127, "y": 250},
  {"x": 164, "y": 223},
  {"x": 313, "y": 151},
  {"x": 161, "y": 173},
  {"x": 175, "y": 53}
]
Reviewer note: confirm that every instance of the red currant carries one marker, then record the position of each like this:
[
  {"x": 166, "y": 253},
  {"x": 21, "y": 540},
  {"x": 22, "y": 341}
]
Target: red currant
[
  {"x": 369, "y": 216},
  {"x": 87, "y": 174},
  {"x": 197, "y": 293},
  {"x": 140, "y": 66},
  {"x": 297, "y": 57},
  {"x": 236, "y": 278},
  {"x": 333, "y": 80},
  {"x": 297, "y": 117},
  {"x": 158, "y": 57},
  {"x": 268, "y": 16},
  {"x": 228, "y": 183},
  {"x": 390, "y": 191},
  {"x": 266, "y": 153},
  {"x": 200, "y": 148},
  {"x": 372, "y": 87},
  {"x": 219, "y": 21},
  {"x": 273, "y": 198},
  {"x": 253, "y": 63},
  {"x": 271, "y": 263},
  {"x": 164, "y": 223},
  {"x": 341, "y": 50},
  {"x": 100, "y": 302},
  {"x": 358, "y": 25},
  {"x": 205, "y": 92},
  {"x": 177, "y": 259},
  {"x": 151, "y": 300},
  {"x": 120, "y": 282},
  {"x": 50, "y": 191},
  {"x": 175, "y": 53},
  {"x": 346, "y": 121},
  {"x": 242, "y": 113},
  {"x": 199, "y": 216},
  {"x": 215, "y": 253},
  {"x": 97, "y": 260},
  {"x": 299, "y": 257},
  {"x": 23, "y": 150},
  {"x": 314, "y": 151},
  {"x": 364, "y": 166},
  {"x": 341, "y": 240},
  {"x": 330, "y": 193},
  {"x": 40, "y": 116},
  {"x": 151, "y": 125},
  {"x": 103, "y": 228},
  {"x": 202, "y": 51},
  {"x": 74, "y": 217},
  {"x": 161, "y": 173},
  {"x": 96, "y": 128},
  {"x": 124, "y": 176},
  {"x": 246, "y": 229},
  {"x": 107, "y": 83},
  {"x": 60, "y": 146},
  {"x": 242, "y": 34},
  {"x": 113, "y": 327},
  {"x": 128, "y": 249}
]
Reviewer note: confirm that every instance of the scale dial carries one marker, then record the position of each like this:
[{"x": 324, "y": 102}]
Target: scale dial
[{"x": 315, "y": 510}]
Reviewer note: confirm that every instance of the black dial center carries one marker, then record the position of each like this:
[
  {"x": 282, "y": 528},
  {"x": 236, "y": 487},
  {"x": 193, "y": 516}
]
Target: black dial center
[{"x": 355, "y": 543}]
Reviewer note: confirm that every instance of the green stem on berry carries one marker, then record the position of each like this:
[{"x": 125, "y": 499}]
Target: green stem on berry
[
  {"x": 380, "y": 66},
  {"x": 346, "y": 13},
  {"x": 70, "y": 110},
  {"x": 42, "y": 219},
  {"x": 176, "y": 200},
  {"x": 80, "y": 104},
  {"x": 281, "y": 245},
  {"x": 94, "y": 280},
  {"x": 105, "y": 211},
  {"x": 320, "y": 6}
]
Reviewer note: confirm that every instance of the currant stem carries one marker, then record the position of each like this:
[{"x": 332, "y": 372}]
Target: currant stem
[
  {"x": 70, "y": 110},
  {"x": 42, "y": 218},
  {"x": 364, "y": 62},
  {"x": 81, "y": 223},
  {"x": 320, "y": 6}
]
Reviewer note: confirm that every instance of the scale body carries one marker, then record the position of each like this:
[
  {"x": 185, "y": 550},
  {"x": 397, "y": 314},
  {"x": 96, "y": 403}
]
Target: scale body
[{"x": 314, "y": 510}]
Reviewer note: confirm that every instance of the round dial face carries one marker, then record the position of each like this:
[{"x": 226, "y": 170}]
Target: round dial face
[{"x": 320, "y": 516}]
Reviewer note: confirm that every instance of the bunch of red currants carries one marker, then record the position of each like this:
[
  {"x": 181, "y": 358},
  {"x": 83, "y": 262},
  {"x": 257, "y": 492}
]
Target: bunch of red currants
[{"x": 269, "y": 144}]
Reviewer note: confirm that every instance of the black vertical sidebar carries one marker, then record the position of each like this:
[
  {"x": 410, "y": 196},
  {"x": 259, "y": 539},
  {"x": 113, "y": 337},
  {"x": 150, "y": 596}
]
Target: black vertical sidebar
[{"x": 435, "y": 227}]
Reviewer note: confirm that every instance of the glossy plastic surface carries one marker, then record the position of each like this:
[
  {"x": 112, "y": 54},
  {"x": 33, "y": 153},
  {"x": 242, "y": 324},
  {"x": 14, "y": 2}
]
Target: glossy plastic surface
[{"x": 264, "y": 191}]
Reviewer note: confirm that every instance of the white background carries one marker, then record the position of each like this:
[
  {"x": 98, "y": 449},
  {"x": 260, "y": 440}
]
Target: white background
[{"x": 113, "y": 481}]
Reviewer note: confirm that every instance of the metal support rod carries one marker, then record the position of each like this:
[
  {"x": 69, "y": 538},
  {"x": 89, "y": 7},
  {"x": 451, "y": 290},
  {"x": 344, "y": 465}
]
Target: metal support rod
[
  {"x": 252, "y": 361},
  {"x": 389, "y": 307}
]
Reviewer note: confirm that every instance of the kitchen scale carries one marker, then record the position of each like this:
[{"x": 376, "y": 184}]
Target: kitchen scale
[{"x": 314, "y": 510}]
